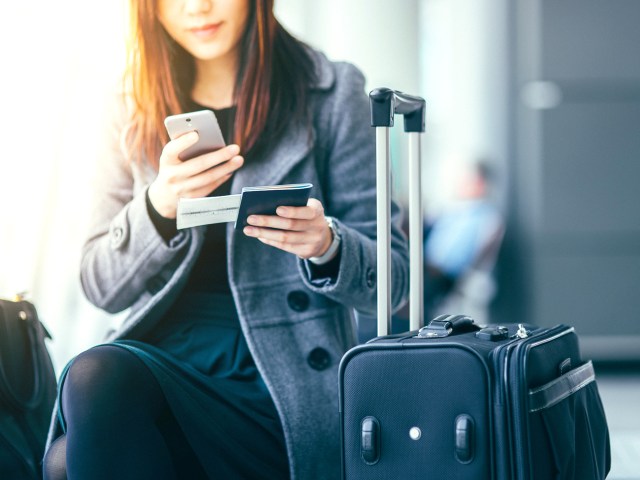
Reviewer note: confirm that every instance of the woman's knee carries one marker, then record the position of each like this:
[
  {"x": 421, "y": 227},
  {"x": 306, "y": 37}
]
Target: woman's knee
[
  {"x": 103, "y": 378},
  {"x": 97, "y": 368}
]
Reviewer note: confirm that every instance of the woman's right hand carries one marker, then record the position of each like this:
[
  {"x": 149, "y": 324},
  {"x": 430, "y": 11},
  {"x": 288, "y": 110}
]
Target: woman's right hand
[{"x": 193, "y": 178}]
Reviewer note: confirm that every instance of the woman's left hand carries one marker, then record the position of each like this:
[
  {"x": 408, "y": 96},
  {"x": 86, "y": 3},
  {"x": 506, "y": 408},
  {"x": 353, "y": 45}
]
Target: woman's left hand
[{"x": 302, "y": 231}]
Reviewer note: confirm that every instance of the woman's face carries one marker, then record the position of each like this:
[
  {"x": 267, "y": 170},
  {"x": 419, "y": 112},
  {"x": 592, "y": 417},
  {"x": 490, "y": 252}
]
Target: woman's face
[{"x": 207, "y": 29}]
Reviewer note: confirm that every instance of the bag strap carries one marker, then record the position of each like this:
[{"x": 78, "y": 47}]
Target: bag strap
[
  {"x": 562, "y": 387},
  {"x": 23, "y": 311}
]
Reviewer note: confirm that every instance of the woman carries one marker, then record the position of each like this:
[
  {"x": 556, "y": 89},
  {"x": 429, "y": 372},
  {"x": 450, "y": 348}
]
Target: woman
[{"x": 226, "y": 366}]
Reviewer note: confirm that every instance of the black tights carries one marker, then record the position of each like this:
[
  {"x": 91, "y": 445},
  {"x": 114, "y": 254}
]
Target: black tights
[{"x": 118, "y": 423}]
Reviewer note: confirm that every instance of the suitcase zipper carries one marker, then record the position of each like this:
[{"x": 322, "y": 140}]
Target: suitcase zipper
[
  {"x": 522, "y": 332},
  {"x": 501, "y": 359},
  {"x": 519, "y": 382}
]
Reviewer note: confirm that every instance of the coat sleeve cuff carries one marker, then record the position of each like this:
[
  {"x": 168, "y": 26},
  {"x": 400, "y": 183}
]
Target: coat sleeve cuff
[
  {"x": 356, "y": 262},
  {"x": 324, "y": 274},
  {"x": 166, "y": 227}
]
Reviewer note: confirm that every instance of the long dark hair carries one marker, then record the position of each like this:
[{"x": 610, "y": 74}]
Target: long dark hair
[{"x": 271, "y": 88}]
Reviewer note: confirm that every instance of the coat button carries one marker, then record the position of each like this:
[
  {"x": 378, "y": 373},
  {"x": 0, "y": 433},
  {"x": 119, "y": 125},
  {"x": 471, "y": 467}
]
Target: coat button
[
  {"x": 298, "y": 301},
  {"x": 117, "y": 237},
  {"x": 319, "y": 359},
  {"x": 371, "y": 278}
]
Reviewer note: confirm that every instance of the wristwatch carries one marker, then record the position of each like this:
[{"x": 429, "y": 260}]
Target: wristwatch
[{"x": 333, "y": 248}]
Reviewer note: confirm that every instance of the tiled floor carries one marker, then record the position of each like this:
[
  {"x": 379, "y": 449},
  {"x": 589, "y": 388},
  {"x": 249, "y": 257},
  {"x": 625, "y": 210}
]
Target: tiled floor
[{"x": 620, "y": 393}]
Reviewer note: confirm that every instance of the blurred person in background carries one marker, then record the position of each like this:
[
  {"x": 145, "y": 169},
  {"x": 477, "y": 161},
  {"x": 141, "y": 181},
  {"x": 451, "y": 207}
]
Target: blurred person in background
[
  {"x": 226, "y": 365},
  {"x": 461, "y": 245}
]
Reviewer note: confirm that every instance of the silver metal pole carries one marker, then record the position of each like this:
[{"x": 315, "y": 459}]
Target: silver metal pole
[
  {"x": 383, "y": 205},
  {"x": 416, "y": 306}
]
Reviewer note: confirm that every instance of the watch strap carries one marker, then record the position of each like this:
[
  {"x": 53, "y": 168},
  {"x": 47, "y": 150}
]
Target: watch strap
[{"x": 331, "y": 252}]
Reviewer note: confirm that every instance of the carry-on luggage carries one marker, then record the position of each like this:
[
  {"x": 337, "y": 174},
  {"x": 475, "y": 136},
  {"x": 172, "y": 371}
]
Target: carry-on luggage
[{"x": 454, "y": 400}]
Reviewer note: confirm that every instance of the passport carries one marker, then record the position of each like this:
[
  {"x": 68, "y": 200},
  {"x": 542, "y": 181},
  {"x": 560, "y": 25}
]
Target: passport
[
  {"x": 264, "y": 200},
  {"x": 261, "y": 200}
]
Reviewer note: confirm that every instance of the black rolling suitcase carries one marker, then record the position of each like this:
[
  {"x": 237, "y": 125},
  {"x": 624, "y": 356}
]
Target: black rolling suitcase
[{"x": 454, "y": 400}]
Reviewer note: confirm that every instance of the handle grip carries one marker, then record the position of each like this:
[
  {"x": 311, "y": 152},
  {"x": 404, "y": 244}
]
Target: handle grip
[
  {"x": 385, "y": 103},
  {"x": 445, "y": 325}
]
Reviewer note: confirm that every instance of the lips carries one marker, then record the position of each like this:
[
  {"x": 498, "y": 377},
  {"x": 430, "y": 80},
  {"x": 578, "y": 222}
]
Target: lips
[{"x": 206, "y": 31}]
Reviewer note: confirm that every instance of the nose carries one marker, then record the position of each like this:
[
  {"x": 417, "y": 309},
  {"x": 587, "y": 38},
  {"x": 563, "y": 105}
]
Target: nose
[{"x": 195, "y": 7}]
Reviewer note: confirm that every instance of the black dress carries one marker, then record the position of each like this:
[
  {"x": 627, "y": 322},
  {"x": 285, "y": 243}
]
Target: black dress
[{"x": 200, "y": 359}]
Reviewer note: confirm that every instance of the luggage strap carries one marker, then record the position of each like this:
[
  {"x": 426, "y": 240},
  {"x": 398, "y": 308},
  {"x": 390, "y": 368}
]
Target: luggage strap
[{"x": 562, "y": 387}]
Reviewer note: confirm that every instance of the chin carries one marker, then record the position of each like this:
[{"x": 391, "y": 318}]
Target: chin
[{"x": 208, "y": 52}]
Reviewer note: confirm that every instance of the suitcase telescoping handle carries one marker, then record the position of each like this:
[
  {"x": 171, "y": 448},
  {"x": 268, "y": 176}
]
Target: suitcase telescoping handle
[{"x": 385, "y": 103}]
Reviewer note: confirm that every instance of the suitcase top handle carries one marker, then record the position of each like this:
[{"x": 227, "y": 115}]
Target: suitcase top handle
[
  {"x": 386, "y": 102},
  {"x": 445, "y": 325}
]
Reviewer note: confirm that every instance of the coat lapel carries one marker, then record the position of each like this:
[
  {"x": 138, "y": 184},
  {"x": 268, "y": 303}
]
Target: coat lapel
[
  {"x": 273, "y": 165},
  {"x": 291, "y": 148}
]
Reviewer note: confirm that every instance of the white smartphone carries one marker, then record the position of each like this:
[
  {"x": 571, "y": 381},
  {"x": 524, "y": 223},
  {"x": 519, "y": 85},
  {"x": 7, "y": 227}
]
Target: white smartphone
[{"x": 205, "y": 123}]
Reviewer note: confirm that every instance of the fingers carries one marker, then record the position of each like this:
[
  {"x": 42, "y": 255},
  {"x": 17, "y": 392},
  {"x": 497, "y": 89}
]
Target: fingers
[
  {"x": 173, "y": 148},
  {"x": 299, "y": 230},
  {"x": 291, "y": 218},
  {"x": 281, "y": 236},
  {"x": 197, "y": 177},
  {"x": 277, "y": 222},
  {"x": 203, "y": 183},
  {"x": 313, "y": 210},
  {"x": 210, "y": 160},
  {"x": 302, "y": 244}
]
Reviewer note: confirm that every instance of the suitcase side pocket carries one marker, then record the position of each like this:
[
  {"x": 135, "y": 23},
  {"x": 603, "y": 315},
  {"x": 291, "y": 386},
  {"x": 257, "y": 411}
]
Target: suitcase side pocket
[{"x": 569, "y": 428}]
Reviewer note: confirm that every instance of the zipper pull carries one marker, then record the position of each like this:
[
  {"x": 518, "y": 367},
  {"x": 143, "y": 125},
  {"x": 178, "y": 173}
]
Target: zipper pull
[{"x": 522, "y": 332}]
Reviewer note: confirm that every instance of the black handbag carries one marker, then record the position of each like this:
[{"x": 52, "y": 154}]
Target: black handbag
[{"x": 27, "y": 390}]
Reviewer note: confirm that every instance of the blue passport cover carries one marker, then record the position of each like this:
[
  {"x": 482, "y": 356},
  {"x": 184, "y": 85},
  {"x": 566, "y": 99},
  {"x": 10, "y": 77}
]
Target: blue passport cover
[{"x": 265, "y": 200}]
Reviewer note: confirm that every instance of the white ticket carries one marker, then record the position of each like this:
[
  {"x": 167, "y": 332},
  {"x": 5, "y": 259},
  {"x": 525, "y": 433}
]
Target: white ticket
[{"x": 193, "y": 212}]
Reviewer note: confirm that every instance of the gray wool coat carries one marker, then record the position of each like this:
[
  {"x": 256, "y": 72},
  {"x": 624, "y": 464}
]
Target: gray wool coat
[{"x": 284, "y": 314}]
